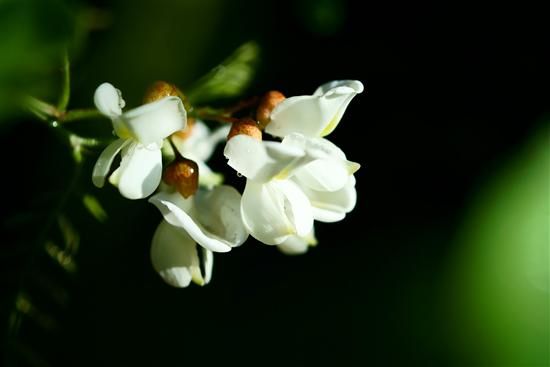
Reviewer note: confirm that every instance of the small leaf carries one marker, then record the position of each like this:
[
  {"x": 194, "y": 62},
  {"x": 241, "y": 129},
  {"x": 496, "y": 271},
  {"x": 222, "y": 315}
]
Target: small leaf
[
  {"x": 230, "y": 78},
  {"x": 60, "y": 256},
  {"x": 70, "y": 235},
  {"x": 94, "y": 207}
]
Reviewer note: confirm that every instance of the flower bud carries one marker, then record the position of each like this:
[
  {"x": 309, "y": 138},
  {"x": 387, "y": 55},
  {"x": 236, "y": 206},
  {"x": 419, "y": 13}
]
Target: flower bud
[
  {"x": 183, "y": 174},
  {"x": 159, "y": 90},
  {"x": 267, "y": 104},
  {"x": 245, "y": 127}
]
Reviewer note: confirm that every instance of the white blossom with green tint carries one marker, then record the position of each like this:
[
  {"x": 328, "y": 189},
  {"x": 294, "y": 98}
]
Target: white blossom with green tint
[
  {"x": 210, "y": 219},
  {"x": 141, "y": 132},
  {"x": 316, "y": 115}
]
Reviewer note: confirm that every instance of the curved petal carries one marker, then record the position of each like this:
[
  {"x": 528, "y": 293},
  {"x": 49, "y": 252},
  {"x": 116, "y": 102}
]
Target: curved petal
[
  {"x": 207, "y": 264},
  {"x": 338, "y": 93},
  {"x": 353, "y": 85},
  {"x": 219, "y": 211},
  {"x": 105, "y": 160},
  {"x": 170, "y": 206},
  {"x": 330, "y": 171},
  {"x": 200, "y": 143},
  {"x": 207, "y": 177},
  {"x": 187, "y": 143},
  {"x": 174, "y": 256},
  {"x": 324, "y": 175},
  {"x": 262, "y": 161},
  {"x": 315, "y": 115},
  {"x": 316, "y": 147},
  {"x": 108, "y": 100},
  {"x": 140, "y": 170},
  {"x": 296, "y": 245},
  {"x": 276, "y": 210},
  {"x": 152, "y": 122},
  {"x": 332, "y": 206}
]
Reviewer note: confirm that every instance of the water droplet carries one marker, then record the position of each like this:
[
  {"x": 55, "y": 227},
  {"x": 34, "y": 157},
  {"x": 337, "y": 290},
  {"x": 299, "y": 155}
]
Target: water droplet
[
  {"x": 239, "y": 174},
  {"x": 55, "y": 124}
]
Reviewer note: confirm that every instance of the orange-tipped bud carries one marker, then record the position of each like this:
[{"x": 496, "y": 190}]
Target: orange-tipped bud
[
  {"x": 183, "y": 174},
  {"x": 245, "y": 127},
  {"x": 159, "y": 90},
  {"x": 266, "y": 106}
]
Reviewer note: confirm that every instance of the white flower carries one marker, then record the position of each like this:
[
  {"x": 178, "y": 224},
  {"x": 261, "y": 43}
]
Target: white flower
[
  {"x": 273, "y": 205},
  {"x": 327, "y": 181},
  {"x": 304, "y": 120},
  {"x": 316, "y": 115},
  {"x": 210, "y": 218},
  {"x": 141, "y": 132},
  {"x": 199, "y": 146},
  {"x": 175, "y": 257}
]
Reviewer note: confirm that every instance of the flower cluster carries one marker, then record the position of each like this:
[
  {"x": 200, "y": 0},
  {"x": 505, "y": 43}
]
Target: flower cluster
[{"x": 292, "y": 180}]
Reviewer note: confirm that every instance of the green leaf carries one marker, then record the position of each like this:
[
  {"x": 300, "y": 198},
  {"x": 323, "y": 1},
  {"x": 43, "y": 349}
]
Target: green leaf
[
  {"x": 230, "y": 78},
  {"x": 94, "y": 207}
]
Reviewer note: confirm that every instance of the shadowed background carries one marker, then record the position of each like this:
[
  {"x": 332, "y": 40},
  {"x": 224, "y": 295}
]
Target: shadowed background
[{"x": 443, "y": 262}]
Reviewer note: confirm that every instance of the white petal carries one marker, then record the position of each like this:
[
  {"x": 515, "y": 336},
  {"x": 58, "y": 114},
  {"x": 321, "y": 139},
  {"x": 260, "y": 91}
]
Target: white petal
[
  {"x": 174, "y": 256},
  {"x": 220, "y": 134},
  {"x": 200, "y": 144},
  {"x": 316, "y": 147},
  {"x": 207, "y": 264},
  {"x": 330, "y": 171},
  {"x": 187, "y": 146},
  {"x": 332, "y": 206},
  {"x": 262, "y": 161},
  {"x": 296, "y": 245},
  {"x": 152, "y": 122},
  {"x": 219, "y": 212},
  {"x": 108, "y": 100},
  {"x": 170, "y": 206},
  {"x": 324, "y": 175},
  {"x": 114, "y": 178},
  {"x": 275, "y": 210},
  {"x": 208, "y": 178},
  {"x": 315, "y": 115},
  {"x": 105, "y": 160},
  {"x": 140, "y": 170},
  {"x": 354, "y": 86}
]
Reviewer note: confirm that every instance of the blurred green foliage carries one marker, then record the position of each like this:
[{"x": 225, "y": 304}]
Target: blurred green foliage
[
  {"x": 502, "y": 299},
  {"x": 77, "y": 284},
  {"x": 324, "y": 17},
  {"x": 229, "y": 79},
  {"x": 33, "y": 37}
]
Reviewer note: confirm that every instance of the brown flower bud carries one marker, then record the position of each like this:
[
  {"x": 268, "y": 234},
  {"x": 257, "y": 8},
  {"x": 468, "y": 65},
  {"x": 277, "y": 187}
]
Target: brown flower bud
[
  {"x": 159, "y": 90},
  {"x": 245, "y": 127},
  {"x": 184, "y": 134},
  {"x": 183, "y": 174},
  {"x": 266, "y": 106}
]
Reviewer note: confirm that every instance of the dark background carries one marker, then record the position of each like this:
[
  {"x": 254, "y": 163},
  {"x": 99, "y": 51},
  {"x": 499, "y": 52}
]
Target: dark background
[{"x": 452, "y": 136}]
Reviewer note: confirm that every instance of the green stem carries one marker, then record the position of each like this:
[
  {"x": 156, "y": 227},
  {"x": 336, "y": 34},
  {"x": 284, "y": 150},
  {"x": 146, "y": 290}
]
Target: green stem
[
  {"x": 44, "y": 111},
  {"x": 218, "y": 118},
  {"x": 80, "y": 114},
  {"x": 66, "y": 86}
]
